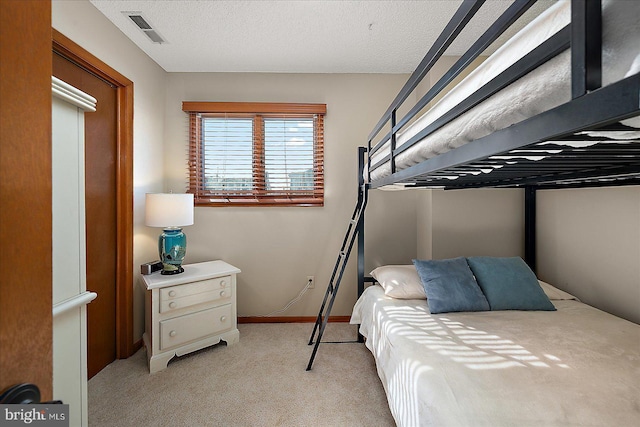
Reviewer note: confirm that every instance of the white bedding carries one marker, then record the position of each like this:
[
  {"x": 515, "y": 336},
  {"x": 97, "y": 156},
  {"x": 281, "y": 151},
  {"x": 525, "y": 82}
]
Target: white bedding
[
  {"x": 577, "y": 366},
  {"x": 542, "y": 89}
]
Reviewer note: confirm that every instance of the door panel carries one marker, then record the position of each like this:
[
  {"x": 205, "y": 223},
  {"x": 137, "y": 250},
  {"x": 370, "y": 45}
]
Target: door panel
[
  {"x": 100, "y": 193},
  {"x": 25, "y": 194}
]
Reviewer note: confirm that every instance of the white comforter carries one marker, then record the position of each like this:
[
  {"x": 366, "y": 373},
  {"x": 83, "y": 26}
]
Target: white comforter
[{"x": 577, "y": 366}]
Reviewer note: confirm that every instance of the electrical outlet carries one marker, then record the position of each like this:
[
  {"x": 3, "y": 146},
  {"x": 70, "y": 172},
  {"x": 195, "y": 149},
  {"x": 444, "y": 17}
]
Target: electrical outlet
[{"x": 313, "y": 282}]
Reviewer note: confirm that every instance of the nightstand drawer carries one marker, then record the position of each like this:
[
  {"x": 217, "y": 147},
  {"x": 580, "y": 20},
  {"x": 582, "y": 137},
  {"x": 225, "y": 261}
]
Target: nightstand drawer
[
  {"x": 180, "y": 291},
  {"x": 173, "y": 304},
  {"x": 180, "y": 330}
]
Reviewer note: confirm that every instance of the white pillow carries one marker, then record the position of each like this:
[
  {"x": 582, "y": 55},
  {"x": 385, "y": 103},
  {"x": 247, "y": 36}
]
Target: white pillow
[
  {"x": 400, "y": 281},
  {"x": 554, "y": 293}
]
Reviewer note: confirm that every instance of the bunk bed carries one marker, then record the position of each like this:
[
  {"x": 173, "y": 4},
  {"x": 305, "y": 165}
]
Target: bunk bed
[
  {"x": 556, "y": 106},
  {"x": 535, "y": 112}
]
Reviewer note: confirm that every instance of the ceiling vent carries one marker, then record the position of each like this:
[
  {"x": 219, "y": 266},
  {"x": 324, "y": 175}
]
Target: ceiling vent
[{"x": 143, "y": 24}]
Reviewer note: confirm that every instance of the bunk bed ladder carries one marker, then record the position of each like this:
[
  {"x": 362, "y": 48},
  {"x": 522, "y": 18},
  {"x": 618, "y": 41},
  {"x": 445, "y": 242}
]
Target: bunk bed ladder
[{"x": 355, "y": 227}]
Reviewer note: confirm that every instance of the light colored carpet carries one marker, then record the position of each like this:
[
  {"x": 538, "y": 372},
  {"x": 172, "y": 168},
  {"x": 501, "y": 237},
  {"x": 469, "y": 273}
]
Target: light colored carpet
[{"x": 260, "y": 381}]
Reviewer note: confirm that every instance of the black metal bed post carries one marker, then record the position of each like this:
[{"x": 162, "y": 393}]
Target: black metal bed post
[
  {"x": 586, "y": 46},
  {"x": 392, "y": 143},
  {"x": 362, "y": 189},
  {"x": 530, "y": 226},
  {"x": 360, "y": 226}
]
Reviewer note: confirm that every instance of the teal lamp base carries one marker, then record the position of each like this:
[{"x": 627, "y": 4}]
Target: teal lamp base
[{"x": 172, "y": 247}]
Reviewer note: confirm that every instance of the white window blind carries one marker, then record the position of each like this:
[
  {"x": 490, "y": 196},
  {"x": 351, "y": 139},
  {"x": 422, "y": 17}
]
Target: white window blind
[
  {"x": 227, "y": 161},
  {"x": 256, "y": 154}
]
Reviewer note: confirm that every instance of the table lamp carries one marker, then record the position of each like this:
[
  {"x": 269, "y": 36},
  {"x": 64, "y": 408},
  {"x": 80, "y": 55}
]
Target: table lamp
[{"x": 170, "y": 211}]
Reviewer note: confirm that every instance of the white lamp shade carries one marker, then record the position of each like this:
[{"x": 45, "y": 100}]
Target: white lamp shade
[{"x": 168, "y": 210}]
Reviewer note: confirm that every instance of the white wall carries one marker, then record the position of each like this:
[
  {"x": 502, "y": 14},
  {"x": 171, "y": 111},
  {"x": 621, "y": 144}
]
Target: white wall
[
  {"x": 277, "y": 248},
  {"x": 589, "y": 245},
  {"x": 85, "y": 25}
]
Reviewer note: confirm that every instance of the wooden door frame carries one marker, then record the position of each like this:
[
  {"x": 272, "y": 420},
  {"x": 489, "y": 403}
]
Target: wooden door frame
[{"x": 68, "y": 49}]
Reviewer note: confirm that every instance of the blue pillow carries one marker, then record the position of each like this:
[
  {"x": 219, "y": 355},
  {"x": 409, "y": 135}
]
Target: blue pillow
[
  {"x": 450, "y": 286},
  {"x": 509, "y": 284}
]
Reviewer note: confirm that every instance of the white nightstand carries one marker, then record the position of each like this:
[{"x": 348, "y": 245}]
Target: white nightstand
[{"x": 189, "y": 311}]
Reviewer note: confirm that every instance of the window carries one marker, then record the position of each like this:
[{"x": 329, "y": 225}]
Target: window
[{"x": 256, "y": 154}]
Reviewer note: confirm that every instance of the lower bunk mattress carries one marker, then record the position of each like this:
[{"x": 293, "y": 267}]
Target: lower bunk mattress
[{"x": 577, "y": 366}]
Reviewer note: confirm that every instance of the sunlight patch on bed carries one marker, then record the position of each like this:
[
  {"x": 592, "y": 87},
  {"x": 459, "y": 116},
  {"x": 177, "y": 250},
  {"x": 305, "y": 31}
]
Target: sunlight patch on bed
[
  {"x": 452, "y": 339},
  {"x": 475, "y": 360},
  {"x": 500, "y": 365},
  {"x": 463, "y": 352},
  {"x": 556, "y": 359},
  {"x": 512, "y": 351},
  {"x": 495, "y": 341},
  {"x": 539, "y": 364},
  {"x": 524, "y": 358},
  {"x": 403, "y": 385},
  {"x": 500, "y": 346}
]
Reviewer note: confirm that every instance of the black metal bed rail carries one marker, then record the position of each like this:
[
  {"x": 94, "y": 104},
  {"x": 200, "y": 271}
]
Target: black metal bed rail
[
  {"x": 582, "y": 36},
  {"x": 448, "y": 35},
  {"x": 596, "y": 175},
  {"x": 463, "y": 15},
  {"x": 503, "y": 22},
  {"x": 458, "y": 22},
  {"x": 594, "y": 110},
  {"x": 547, "y": 50}
]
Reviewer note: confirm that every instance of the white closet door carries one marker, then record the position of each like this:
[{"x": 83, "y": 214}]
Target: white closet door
[{"x": 69, "y": 266}]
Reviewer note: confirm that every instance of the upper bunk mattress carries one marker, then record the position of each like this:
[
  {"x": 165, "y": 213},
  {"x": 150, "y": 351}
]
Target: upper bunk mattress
[
  {"x": 577, "y": 366},
  {"x": 544, "y": 88}
]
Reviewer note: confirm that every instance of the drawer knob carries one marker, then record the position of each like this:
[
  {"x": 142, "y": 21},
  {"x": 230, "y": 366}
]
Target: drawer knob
[
  {"x": 223, "y": 283},
  {"x": 172, "y": 305},
  {"x": 172, "y": 333},
  {"x": 222, "y": 293},
  {"x": 172, "y": 293},
  {"x": 223, "y": 318}
]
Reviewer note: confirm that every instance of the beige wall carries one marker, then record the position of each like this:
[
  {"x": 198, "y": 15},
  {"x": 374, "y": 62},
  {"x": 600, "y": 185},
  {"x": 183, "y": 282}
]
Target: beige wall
[
  {"x": 424, "y": 225},
  {"x": 85, "y": 25},
  {"x": 485, "y": 222},
  {"x": 454, "y": 223},
  {"x": 277, "y": 248},
  {"x": 588, "y": 240},
  {"x": 390, "y": 234},
  {"x": 589, "y": 245}
]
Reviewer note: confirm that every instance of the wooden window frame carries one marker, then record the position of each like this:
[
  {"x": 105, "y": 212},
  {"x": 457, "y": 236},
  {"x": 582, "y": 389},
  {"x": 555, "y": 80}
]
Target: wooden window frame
[{"x": 258, "y": 111}]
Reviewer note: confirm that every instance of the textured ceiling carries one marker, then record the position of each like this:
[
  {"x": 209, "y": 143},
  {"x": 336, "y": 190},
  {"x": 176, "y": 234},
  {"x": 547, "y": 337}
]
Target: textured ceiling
[{"x": 303, "y": 36}]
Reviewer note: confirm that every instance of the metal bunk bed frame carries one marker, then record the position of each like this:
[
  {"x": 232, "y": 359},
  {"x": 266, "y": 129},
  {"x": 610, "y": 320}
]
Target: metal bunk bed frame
[{"x": 592, "y": 107}]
